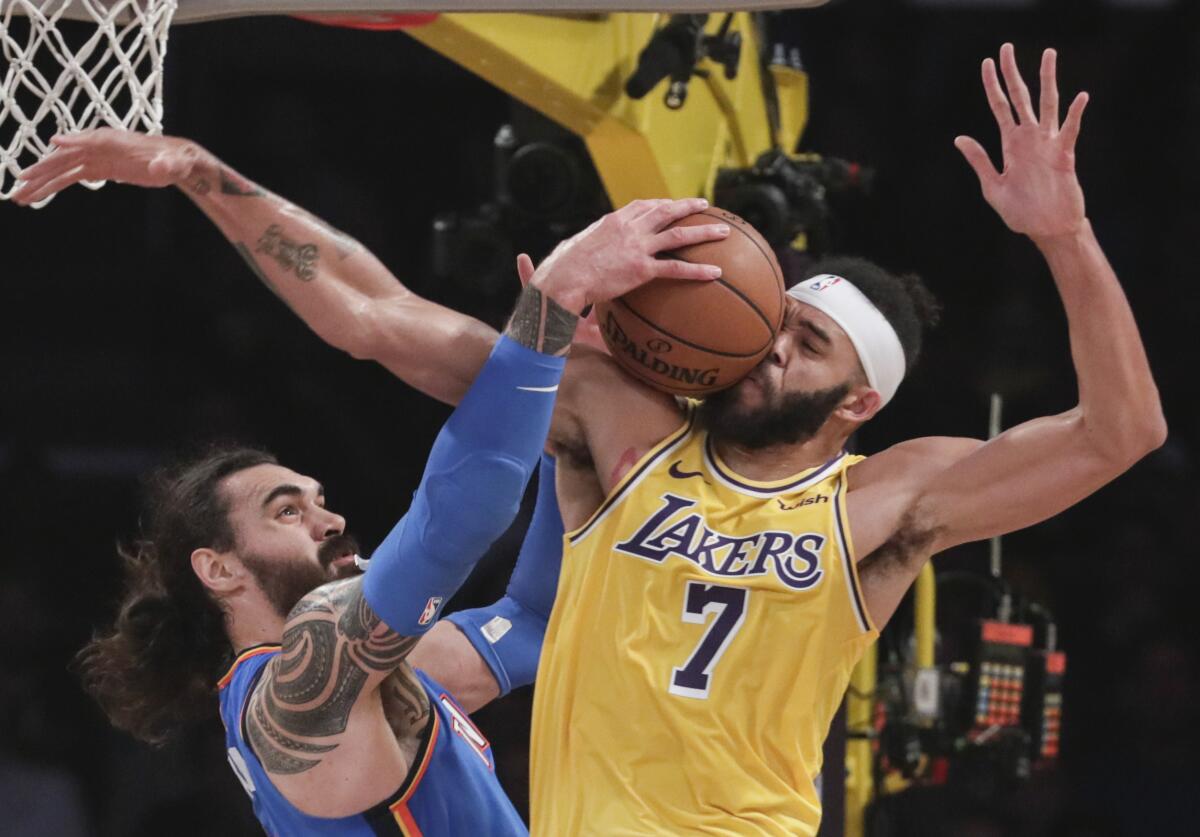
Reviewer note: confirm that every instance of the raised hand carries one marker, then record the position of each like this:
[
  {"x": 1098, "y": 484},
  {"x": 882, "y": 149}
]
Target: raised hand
[
  {"x": 109, "y": 154},
  {"x": 620, "y": 252},
  {"x": 1037, "y": 193}
]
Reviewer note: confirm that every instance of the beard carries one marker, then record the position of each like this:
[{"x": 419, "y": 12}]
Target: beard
[
  {"x": 781, "y": 418},
  {"x": 286, "y": 581}
]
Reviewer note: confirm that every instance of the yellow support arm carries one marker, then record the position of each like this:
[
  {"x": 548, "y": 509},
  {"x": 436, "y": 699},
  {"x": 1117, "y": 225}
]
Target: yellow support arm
[{"x": 573, "y": 70}]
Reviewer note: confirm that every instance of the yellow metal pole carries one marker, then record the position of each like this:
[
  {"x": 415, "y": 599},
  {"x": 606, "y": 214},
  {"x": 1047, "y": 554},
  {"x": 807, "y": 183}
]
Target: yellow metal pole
[
  {"x": 925, "y": 616},
  {"x": 860, "y": 711}
]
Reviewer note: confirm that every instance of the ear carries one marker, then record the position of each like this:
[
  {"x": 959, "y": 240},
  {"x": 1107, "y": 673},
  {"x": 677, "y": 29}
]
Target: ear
[
  {"x": 220, "y": 572},
  {"x": 860, "y": 404}
]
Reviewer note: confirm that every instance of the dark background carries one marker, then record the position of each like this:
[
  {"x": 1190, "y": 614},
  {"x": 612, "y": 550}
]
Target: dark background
[{"x": 130, "y": 329}]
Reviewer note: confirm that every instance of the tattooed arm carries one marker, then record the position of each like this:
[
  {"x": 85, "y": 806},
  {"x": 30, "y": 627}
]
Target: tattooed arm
[
  {"x": 315, "y": 715},
  {"x": 340, "y": 290}
]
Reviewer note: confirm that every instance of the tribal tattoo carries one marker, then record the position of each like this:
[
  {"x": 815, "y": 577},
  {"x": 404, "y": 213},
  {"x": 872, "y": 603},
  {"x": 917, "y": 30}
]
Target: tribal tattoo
[
  {"x": 291, "y": 255},
  {"x": 332, "y": 645},
  {"x": 541, "y": 324}
]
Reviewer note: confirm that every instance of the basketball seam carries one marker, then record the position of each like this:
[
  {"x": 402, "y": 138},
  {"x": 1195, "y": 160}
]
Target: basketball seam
[
  {"x": 687, "y": 343},
  {"x": 770, "y": 262}
]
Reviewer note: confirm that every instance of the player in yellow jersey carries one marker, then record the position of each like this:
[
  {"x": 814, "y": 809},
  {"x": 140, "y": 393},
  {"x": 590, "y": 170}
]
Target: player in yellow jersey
[
  {"x": 724, "y": 567},
  {"x": 724, "y": 570}
]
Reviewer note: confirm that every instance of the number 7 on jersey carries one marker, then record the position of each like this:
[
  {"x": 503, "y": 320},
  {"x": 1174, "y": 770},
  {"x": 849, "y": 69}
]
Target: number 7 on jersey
[{"x": 701, "y": 600}]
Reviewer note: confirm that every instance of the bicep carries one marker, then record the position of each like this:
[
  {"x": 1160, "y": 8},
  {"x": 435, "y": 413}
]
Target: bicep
[
  {"x": 335, "y": 651},
  {"x": 447, "y": 656},
  {"x": 1023, "y": 476}
]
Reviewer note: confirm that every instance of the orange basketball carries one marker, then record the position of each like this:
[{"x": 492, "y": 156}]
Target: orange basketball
[{"x": 692, "y": 338}]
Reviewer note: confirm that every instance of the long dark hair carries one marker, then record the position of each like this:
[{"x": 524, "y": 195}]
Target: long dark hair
[{"x": 155, "y": 670}]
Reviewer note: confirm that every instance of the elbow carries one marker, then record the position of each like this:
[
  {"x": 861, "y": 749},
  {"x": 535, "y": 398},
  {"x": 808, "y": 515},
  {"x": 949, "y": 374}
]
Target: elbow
[
  {"x": 1147, "y": 430},
  {"x": 1139, "y": 433},
  {"x": 1155, "y": 434}
]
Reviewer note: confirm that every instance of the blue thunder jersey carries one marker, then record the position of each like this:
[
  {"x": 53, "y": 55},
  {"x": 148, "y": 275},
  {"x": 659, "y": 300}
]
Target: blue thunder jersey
[{"x": 450, "y": 790}]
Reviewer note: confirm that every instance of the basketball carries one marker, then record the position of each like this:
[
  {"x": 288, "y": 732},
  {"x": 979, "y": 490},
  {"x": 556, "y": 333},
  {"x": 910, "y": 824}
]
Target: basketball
[{"x": 693, "y": 338}]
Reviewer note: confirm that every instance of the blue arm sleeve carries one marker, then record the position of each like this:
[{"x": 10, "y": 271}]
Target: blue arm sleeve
[
  {"x": 471, "y": 489},
  {"x": 508, "y": 634}
]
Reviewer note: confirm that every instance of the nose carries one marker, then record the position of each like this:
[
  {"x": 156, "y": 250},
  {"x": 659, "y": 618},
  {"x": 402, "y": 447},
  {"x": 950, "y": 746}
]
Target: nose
[
  {"x": 327, "y": 524},
  {"x": 782, "y": 347}
]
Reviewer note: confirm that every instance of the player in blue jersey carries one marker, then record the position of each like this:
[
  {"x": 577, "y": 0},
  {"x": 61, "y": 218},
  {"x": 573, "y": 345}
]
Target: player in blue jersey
[{"x": 344, "y": 712}]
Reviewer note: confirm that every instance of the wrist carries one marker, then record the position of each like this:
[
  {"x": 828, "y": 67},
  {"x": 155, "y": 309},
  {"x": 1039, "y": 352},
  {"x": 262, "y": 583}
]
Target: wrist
[
  {"x": 573, "y": 300},
  {"x": 541, "y": 322},
  {"x": 1065, "y": 240},
  {"x": 199, "y": 175}
]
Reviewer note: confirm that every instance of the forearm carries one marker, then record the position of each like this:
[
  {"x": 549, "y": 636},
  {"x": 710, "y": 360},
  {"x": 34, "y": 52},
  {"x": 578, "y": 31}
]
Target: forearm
[
  {"x": 477, "y": 471},
  {"x": 507, "y": 634},
  {"x": 340, "y": 290},
  {"x": 1118, "y": 399}
]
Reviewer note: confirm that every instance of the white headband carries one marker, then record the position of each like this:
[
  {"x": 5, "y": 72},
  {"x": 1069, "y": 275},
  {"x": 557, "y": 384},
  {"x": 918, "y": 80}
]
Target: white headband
[{"x": 878, "y": 347}]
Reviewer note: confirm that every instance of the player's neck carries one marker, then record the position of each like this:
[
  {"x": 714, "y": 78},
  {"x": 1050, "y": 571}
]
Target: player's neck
[
  {"x": 777, "y": 462},
  {"x": 253, "y": 623}
]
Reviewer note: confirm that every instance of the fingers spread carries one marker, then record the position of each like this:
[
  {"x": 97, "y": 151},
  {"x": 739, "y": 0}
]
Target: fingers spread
[
  {"x": 995, "y": 96},
  {"x": 642, "y": 208},
  {"x": 1049, "y": 95},
  {"x": 674, "y": 238},
  {"x": 977, "y": 158},
  {"x": 1017, "y": 91},
  {"x": 678, "y": 269},
  {"x": 1070, "y": 129},
  {"x": 669, "y": 212},
  {"x": 52, "y": 164},
  {"x": 46, "y": 188}
]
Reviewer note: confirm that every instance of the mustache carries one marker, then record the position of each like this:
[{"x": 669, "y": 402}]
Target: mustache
[{"x": 335, "y": 547}]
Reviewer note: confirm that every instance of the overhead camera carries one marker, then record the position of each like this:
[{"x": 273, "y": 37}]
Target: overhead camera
[
  {"x": 545, "y": 189},
  {"x": 675, "y": 50},
  {"x": 785, "y": 197}
]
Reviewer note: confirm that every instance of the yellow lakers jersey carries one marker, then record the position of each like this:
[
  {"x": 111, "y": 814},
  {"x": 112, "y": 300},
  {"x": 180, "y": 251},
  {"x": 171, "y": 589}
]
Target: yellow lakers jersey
[{"x": 702, "y": 639}]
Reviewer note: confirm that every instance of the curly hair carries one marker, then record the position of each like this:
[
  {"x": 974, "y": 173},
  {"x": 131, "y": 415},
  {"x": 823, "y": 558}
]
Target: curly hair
[{"x": 155, "y": 669}]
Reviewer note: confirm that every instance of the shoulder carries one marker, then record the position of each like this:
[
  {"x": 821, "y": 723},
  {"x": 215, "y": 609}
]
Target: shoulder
[
  {"x": 611, "y": 407},
  {"x": 913, "y": 461},
  {"x": 883, "y": 487}
]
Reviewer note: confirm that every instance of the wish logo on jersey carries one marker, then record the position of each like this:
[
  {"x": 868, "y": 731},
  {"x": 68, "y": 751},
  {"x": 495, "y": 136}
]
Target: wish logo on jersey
[{"x": 794, "y": 559}]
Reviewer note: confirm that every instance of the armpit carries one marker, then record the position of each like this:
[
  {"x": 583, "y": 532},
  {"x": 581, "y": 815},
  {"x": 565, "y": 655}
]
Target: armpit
[{"x": 904, "y": 552}]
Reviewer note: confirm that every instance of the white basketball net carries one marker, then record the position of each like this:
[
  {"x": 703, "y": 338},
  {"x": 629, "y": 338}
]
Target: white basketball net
[{"x": 109, "y": 73}]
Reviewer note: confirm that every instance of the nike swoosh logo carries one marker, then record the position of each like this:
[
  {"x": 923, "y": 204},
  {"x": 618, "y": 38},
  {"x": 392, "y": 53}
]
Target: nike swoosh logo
[
  {"x": 682, "y": 475},
  {"x": 540, "y": 389}
]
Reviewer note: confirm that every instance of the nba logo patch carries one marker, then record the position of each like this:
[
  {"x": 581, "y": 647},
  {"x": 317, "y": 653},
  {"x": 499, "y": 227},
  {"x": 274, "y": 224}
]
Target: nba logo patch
[
  {"x": 824, "y": 281},
  {"x": 431, "y": 609}
]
